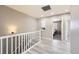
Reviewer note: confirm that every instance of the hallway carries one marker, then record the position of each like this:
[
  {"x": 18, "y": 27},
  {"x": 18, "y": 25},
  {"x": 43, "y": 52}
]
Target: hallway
[
  {"x": 48, "y": 46},
  {"x": 19, "y": 37}
]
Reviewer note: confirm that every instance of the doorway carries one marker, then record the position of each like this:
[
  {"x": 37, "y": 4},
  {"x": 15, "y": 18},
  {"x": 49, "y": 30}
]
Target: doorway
[{"x": 57, "y": 30}]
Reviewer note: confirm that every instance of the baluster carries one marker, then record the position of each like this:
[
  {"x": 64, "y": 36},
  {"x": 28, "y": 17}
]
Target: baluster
[
  {"x": 6, "y": 45},
  {"x": 15, "y": 44},
  {"x": 31, "y": 38},
  {"x": 11, "y": 45},
  {"x": 19, "y": 44},
  {"x": 28, "y": 40},
  {"x": 34, "y": 38},
  {"x": 1, "y": 46},
  {"x": 24, "y": 42},
  {"x": 37, "y": 36}
]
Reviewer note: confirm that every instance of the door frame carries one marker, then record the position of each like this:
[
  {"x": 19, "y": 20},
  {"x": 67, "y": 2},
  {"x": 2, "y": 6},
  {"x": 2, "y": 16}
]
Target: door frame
[{"x": 58, "y": 19}]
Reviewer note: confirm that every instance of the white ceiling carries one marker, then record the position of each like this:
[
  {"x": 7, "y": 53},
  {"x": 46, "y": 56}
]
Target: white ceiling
[{"x": 37, "y": 12}]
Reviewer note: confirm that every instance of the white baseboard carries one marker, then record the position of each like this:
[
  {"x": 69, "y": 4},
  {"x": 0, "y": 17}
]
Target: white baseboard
[
  {"x": 49, "y": 38},
  {"x": 46, "y": 38}
]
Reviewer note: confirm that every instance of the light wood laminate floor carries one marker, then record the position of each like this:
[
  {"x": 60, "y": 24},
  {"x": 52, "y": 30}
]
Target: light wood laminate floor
[{"x": 50, "y": 46}]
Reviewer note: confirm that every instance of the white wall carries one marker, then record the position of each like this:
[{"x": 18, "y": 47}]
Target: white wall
[
  {"x": 66, "y": 19},
  {"x": 12, "y": 20},
  {"x": 74, "y": 33},
  {"x": 48, "y": 32}
]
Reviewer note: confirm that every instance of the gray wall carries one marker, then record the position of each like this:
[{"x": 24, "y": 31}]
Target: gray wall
[
  {"x": 22, "y": 22},
  {"x": 74, "y": 32}
]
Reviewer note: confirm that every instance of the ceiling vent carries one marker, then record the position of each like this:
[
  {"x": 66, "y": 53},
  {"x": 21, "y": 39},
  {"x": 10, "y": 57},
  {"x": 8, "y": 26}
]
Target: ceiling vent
[{"x": 46, "y": 8}]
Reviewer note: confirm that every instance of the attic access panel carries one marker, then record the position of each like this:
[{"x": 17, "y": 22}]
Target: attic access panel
[{"x": 46, "y": 8}]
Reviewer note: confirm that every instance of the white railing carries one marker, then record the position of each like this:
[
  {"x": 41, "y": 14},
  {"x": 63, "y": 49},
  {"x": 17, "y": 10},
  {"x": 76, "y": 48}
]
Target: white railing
[{"x": 19, "y": 43}]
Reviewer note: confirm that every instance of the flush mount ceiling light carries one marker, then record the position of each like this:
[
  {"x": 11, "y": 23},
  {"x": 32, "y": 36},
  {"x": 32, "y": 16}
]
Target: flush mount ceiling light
[{"x": 46, "y": 8}]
